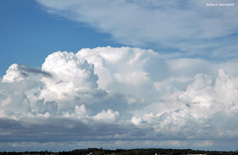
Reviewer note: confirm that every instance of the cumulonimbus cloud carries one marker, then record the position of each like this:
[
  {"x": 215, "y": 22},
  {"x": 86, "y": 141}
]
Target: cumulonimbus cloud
[{"x": 119, "y": 94}]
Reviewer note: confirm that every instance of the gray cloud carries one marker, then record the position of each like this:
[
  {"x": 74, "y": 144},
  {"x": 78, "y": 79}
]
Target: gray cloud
[
  {"x": 17, "y": 72},
  {"x": 34, "y": 71}
]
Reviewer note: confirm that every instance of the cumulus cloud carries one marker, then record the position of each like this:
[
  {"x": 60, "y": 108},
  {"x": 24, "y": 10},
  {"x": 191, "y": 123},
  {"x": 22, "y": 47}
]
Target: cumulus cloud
[
  {"x": 18, "y": 72},
  {"x": 119, "y": 95},
  {"x": 70, "y": 75},
  {"x": 159, "y": 24},
  {"x": 124, "y": 70},
  {"x": 198, "y": 111}
]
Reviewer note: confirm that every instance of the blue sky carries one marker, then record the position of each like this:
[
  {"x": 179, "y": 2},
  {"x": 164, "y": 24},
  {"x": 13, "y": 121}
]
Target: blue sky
[
  {"x": 29, "y": 34},
  {"x": 118, "y": 74}
]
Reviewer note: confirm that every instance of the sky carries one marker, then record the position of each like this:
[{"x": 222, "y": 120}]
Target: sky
[{"x": 118, "y": 74}]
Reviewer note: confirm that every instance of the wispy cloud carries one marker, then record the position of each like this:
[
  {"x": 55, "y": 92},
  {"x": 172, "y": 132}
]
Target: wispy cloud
[{"x": 188, "y": 26}]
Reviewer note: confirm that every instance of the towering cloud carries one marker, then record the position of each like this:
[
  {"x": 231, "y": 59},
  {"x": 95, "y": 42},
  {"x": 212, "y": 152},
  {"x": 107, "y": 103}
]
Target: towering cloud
[
  {"x": 119, "y": 95},
  {"x": 69, "y": 75}
]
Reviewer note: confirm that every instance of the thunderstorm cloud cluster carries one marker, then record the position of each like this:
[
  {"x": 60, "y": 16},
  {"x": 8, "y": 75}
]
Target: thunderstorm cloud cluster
[
  {"x": 170, "y": 81},
  {"x": 123, "y": 97}
]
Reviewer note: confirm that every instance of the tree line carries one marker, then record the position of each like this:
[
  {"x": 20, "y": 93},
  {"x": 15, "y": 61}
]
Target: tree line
[{"x": 100, "y": 151}]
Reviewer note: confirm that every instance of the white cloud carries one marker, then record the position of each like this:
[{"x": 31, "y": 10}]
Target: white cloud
[
  {"x": 120, "y": 94},
  {"x": 124, "y": 70},
  {"x": 13, "y": 74},
  {"x": 80, "y": 110},
  {"x": 200, "y": 110},
  {"x": 69, "y": 75},
  {"x": 158, "y": 23},
  {"x": 108, "y": 115},
  {"x": 135, "y": 120},
  {"x": 17, "y": 72}
]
